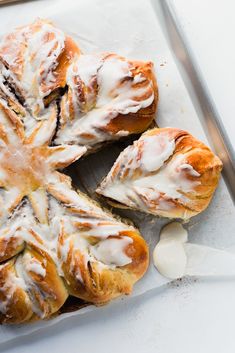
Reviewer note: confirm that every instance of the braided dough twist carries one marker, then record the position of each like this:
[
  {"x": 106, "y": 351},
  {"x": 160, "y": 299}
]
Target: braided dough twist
[
  {"x": 56, "y": 105},
  {"x": 167, "y": 172}
]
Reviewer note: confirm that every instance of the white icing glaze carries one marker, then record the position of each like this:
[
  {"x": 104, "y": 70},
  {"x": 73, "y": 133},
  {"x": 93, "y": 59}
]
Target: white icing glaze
[
  {"x": 116, "y": 95},
  {"x": 83, "y": 72},
  {"x": 156, "y": 150},
  {"x": 28, "y": 283},
  {"x": 28, "y": 170},
  {"x": 6, "y": 93},
  {"x": 170, "y": 179},
  {"x": 107, "y": 253},
  {"x": 60, "y": 188},
  {"x": 65, "y": 154},
  {"x": 10, "y": 197},
  {"x": 86, "y": 67},
  {"x": 42, "y": 47},
  {"x": 7, "y": 127},
  {"x": 111, "y": 251},
  {"x": 174, "y": 257},
  {"x": 169, "y": 255},
  {"x": 33, "y": 180},
  {"x": 38, "y": 206},
  {"x": 11, "y": 283},
  {"x": 39, "y": 202},
  {"x": 45, "y": 129},
  {"x": 102, "y": 227},
  {"x": 33, "y": 265},
  {"x": 164, "y": 176}
]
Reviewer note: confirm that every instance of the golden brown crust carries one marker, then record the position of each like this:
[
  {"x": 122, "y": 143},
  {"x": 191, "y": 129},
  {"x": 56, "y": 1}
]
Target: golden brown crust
[
  {"x": 15, "y": 302},
  {"x": 27, "y": 295},
  {"x": 54, "y": 242},
  {"x": 136, "y": 123},
  {"x": 26, "y": 65},
  {"x": 64, "y": 60},
  {"x": 51, "y": 80},
  {"x": 204, "y": 162},
  {"x": 100, "y": 286},
  {"x": 10, "y": 247},
  {"x": 41, "y": 267},
  {"x": 198, "y": 171},
  {"x": 94, "y": 112}
]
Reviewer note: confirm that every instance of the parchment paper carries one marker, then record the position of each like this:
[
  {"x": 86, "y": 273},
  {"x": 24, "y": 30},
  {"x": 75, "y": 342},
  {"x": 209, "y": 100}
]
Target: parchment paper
[{"x": 130, "y": 28}]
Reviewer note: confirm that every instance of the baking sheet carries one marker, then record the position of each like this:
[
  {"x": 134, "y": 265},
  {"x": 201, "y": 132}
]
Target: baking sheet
[{"x": 130, "y": 28}]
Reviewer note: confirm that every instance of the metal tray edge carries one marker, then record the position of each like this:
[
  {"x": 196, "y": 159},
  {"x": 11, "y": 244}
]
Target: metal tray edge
[{"x": 198, "y": 90}]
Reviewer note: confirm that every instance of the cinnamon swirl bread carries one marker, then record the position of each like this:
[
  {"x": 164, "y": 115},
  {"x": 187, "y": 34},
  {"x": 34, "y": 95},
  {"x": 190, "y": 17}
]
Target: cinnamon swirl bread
[
  {"x": 167, "y": 172},
  {"x": 54, "y": 241},
  {"x": 101, "y": 97},
  {"x": 56, "y": 105}
]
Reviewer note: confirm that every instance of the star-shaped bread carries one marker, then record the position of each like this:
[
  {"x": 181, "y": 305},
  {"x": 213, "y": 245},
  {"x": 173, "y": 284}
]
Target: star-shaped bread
[{"x": 57, "y": 105}]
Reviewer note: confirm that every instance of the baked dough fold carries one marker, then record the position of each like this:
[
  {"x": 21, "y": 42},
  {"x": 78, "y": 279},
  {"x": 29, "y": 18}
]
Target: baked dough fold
[{"x": 167, "y": 172}]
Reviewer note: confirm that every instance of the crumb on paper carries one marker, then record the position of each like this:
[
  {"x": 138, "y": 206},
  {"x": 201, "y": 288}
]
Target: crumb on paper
[
  {"x": 163, "y": 63},
  {"x": 183, "y": 282}
]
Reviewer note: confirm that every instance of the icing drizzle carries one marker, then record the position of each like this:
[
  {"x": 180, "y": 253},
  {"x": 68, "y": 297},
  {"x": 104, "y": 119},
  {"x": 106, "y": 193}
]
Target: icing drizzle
[
  {"x": 100, "y": 88},
  {"x": 148, "y": 175}
]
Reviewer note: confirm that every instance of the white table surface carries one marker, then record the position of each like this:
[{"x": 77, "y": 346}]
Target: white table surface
[
  {"x": 145, "y": 325},
  {"x": 209, "y": 25}
]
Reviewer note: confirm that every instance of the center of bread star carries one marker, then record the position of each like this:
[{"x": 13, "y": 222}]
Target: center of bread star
[{"x": 23, "y": 166}]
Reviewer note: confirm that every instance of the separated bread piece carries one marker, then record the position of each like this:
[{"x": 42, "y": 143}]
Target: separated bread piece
[
  {"x": 33, "y": 64},
  {"x": 108, "y": 97},
  {"x": 55, "y": 242},
  {"x": 167, "y": 172}
]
